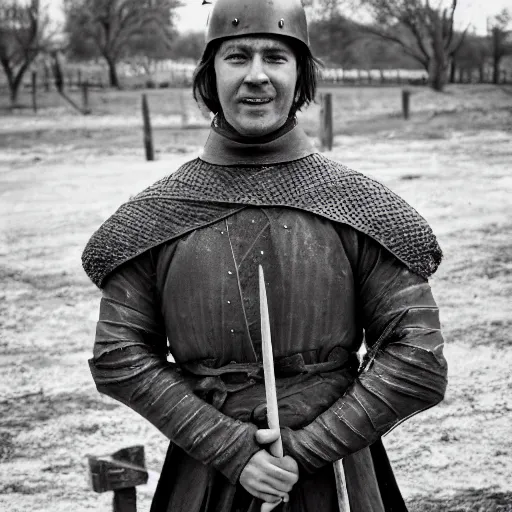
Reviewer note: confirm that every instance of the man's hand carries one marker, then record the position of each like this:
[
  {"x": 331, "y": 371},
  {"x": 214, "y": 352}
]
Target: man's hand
[{"x": 266, "y": 477}]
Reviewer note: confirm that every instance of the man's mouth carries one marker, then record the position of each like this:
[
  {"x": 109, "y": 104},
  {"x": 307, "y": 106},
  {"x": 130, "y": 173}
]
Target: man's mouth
[{"x": 256, "y": 101}]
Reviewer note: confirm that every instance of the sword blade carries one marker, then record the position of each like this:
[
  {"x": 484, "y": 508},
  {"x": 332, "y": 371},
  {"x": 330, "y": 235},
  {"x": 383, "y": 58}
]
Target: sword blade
[
  {"x": 276, "y": 448},
  {"x": 341, "y": 486}
]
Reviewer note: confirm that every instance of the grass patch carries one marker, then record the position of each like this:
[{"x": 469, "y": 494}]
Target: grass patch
[
  {"x": 6, "y": 446},
  {"x": 26, "y": 413},
  {"x": 497, "y": 333},
  {"x": 22, "y": 488},
  {"x": 473, "y": 500},
  {"x": 488, "y": 254},
  {"x": 500, "y": 265},
  {"x": 43, "y": 281}
]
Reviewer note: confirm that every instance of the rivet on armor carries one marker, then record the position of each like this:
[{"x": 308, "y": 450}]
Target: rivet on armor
[
  {"x": 235, "y": 22},
  {"x": 281, "y": 23}
]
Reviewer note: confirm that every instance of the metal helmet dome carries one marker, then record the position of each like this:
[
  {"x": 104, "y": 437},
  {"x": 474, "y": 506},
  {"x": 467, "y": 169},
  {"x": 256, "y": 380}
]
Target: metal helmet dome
[{"x": 235, "y": 18}]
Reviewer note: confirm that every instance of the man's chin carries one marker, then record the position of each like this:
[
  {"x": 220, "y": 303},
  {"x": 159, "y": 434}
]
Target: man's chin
[{"x": 258, "y": 129}]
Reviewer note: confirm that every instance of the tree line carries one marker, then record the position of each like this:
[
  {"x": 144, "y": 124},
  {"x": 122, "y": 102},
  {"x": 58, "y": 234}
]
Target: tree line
[
  {"x": 408, "y": 34},
  {"x": 398, "y": 34}
]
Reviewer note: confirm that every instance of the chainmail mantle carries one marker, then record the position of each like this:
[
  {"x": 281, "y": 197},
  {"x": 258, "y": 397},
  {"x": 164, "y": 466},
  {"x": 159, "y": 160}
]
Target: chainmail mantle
[{"x": 200, "y": 193}]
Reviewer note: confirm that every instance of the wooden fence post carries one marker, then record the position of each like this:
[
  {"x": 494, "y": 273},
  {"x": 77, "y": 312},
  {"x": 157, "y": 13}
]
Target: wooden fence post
[
  {"x": 57, "y": 73},
  {"x": 125, "y": 500},
  {"x": 121, "y": 472},
  {"x": 34, "y": 91},
  {"x": 85, "y": 96},
  {"x": 148, "y": 134},
  {"x": 406, "y": 95},
  {"x": 46, "y": 78},
  {"x": 326, "y": 126}
]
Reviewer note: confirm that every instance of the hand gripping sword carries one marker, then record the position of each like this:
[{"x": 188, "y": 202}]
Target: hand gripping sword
[{"x": 276, "y": 448}]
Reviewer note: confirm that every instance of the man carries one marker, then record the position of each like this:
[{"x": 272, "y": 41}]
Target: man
[{"x": 343, "y": 257}]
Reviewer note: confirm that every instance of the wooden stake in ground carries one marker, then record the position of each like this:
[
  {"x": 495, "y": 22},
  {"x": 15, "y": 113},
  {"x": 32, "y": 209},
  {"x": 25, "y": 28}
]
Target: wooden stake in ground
[
  {"x": 148, "y": 134},
  {"x": 46, "y": 78},
  {"x": 58, "y": 75},
  {"x": 326, "y": 126},
  {"x": 406, "y": 95},
  {"x": 85, "y": 96},
  {"x": 34, "y": 91},
  {"x": 121, "y": 473}
]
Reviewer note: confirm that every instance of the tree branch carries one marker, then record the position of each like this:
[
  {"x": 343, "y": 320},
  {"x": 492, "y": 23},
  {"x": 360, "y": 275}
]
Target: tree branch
[
  {"x": 455, "y": 49},
  {"x": 450, "y": 24},
  {"x": 424, "y": 61}
]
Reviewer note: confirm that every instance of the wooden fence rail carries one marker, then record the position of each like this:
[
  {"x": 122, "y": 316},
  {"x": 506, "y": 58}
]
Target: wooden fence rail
[{"x": 182, "y": 75}]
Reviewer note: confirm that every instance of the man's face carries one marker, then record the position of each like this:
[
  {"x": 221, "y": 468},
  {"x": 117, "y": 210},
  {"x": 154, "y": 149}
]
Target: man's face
[{"x": 256, "y": 79}]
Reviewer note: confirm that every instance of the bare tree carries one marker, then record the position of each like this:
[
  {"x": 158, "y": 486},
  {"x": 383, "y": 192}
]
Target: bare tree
[
  {"x": 22, "y": 38},
  {"x": 424, "y": 31},
  {"x": 501, "y": 40},
  {"x": 472, "y": 55},
  {"x": 333, "y": 38},
  {"x": 188, "y": 45},
  {"x": 113, "y": 28}
]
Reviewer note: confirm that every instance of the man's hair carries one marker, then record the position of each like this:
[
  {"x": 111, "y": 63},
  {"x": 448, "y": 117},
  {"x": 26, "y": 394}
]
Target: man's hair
[{"x": 205, "y": 82}]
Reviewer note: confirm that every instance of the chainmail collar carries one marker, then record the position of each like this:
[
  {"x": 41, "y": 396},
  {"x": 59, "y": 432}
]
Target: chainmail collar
[
  {"x": 226, "y": 147},
  {"x": 200, "y": 193}
]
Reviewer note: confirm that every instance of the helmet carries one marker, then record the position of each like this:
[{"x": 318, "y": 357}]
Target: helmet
[{"x": 234, "y": 18}]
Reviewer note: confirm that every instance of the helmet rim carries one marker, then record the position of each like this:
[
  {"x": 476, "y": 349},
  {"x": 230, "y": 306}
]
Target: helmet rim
[{"x": 238, "y": 18}]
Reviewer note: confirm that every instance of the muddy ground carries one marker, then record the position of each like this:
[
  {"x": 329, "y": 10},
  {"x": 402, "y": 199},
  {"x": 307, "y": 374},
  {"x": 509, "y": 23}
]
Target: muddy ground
[{"x": 61, "y": 175}]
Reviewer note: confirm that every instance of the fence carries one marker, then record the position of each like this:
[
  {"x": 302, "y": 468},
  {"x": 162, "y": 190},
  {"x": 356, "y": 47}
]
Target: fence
[
  {"x": 164, "y": 74},
  {"x": 333, "y": 76}
]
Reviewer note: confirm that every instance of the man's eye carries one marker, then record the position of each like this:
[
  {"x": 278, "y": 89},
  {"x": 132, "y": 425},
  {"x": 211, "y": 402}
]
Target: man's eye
[
  {"x": 276, "y": 58},
  {"x": 236, "y": 57}
]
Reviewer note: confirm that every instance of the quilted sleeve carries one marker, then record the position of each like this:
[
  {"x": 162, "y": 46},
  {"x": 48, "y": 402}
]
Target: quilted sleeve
[
  {"x": 405, "y": 372},
  {"x": 130, "y": 365}
]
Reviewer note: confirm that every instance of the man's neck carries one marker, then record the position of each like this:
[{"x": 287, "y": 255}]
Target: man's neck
[
  {"x": 225, "y": 146},
  {"x": 222, "y": 127}
]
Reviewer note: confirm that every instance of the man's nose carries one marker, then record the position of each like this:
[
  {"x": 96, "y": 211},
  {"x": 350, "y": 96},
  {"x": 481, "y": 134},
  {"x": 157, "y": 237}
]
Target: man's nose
[{"x": 256, "y": 74}]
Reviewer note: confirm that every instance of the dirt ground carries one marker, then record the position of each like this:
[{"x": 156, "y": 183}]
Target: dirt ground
[{"x": 61, "y": 175}]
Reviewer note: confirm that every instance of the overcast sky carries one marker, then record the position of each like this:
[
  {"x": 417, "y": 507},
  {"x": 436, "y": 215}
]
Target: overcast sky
[{"x": 193, "y": 15}]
